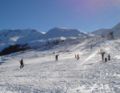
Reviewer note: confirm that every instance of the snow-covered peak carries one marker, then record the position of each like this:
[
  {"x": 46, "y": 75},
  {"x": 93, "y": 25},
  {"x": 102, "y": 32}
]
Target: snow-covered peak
[
  {"x": 105, "y": 32},
  {"x": 117, "y": 27},
  {"x": 10, "y": 37},
  {"x": 43, "y": 33},
  {"x": 62, "y": 32},
  {"x": 101, "y": 31}
]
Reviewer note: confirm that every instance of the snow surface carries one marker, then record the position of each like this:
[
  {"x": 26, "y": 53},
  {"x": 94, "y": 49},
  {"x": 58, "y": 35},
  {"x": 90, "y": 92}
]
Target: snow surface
[{"x": 42, "y": 74}]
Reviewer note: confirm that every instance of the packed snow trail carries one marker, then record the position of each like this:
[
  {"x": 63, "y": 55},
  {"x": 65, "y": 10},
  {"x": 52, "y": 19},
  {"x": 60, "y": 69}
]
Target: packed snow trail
[{"x": 91, "y": 56}]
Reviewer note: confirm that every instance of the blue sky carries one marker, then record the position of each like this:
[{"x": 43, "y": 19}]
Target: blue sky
[{"x": 86, "y": 15}]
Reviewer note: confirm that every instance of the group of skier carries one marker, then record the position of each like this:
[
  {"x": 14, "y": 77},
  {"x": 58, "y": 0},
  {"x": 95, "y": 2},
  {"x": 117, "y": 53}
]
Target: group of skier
[
  {"x": 77, "y": 56},
  {"x": 22, "y": 63},
  {"x": 105, "y": 57}
]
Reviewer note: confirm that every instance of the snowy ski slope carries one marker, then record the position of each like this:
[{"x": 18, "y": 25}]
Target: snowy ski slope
[{"x": 42, "y": 74}]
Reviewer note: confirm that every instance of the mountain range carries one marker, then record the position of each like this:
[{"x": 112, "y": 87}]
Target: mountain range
[
  {"x": 34, "y": 37},
  {"x": 26, "y": 36}
]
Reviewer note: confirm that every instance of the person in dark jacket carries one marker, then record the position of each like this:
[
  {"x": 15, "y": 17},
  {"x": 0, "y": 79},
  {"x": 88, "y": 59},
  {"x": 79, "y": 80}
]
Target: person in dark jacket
[
  {"x": 78, "y": 56},
  {"x": 103, "y": 55},
  {"x": 106, "y": 59},
  {"x": 56, "y": 57},
  {"x": 21, "y": 63},
  {"x": 109, "y": 57}
]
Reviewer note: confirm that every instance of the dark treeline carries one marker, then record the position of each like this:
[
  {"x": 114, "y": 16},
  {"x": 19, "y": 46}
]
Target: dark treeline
[{"x": 14, "y": 48}]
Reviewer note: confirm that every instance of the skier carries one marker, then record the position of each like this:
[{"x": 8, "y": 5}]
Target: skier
[
  {"x": 102, "y": 54},
  {"x": 56, "y": 57},
  {"x": 78, "y": 56},
  {"x": 109, "y": 57},
  {"x": 21, "y": 63},
  {"x": 106, "y": 59}
]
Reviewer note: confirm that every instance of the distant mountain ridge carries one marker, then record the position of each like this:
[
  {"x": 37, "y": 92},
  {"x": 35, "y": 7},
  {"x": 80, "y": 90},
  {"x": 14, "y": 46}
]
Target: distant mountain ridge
[
  {"x": 62, "y": 32},
  {"x": 35, "y": 38},
  {"x": 18, "y": 36},
  {"x": 104, "y": 32},
  {"x": 25, "y": 36}
]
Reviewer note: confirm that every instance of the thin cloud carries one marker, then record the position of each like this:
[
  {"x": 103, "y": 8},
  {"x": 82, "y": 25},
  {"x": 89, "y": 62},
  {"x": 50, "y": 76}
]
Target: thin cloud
[{"x": 91, "y": 3}]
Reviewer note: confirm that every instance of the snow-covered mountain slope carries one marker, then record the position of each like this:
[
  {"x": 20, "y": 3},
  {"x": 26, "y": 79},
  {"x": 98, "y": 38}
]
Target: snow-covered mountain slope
[
  {"x": 11, "y": 37},
  {"x": 42, "y": 74},
  {"x": 105, "y": 32},
  {"x": 27, "y": 35},
  {"x": 33, "y": 37},
  {"x": 62, "y": 32},
  {"x": 102, "y": 31},
  {"x": 19, "y": 35}
]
